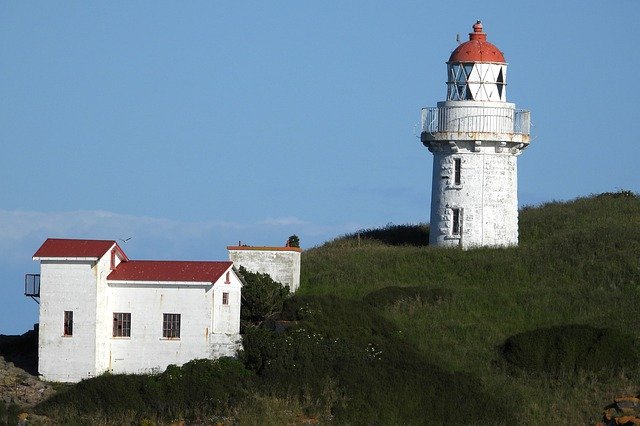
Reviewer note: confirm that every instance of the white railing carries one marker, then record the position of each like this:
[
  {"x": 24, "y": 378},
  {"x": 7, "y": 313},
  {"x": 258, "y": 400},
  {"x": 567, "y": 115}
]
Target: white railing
[{"x": 476, "y": 119}]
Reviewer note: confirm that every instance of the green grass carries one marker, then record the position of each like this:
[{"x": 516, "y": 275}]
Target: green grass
[{"x": 577, "y": 263}]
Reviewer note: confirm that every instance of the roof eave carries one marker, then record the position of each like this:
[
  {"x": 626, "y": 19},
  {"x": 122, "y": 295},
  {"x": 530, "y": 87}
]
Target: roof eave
[
  {"x": 80, "y": 259},
  {"x": 156, "y": 282}
]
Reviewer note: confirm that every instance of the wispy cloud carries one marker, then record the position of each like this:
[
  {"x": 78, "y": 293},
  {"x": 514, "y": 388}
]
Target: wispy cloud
[{"x": 21, "y": 232}]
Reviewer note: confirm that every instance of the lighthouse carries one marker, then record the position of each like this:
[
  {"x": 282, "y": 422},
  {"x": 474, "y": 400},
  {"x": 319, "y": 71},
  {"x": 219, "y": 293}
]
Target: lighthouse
[{"x": 475, "y": 137}]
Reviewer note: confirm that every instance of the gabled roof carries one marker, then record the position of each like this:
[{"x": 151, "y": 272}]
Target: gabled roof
[
  {"x": 70, "y": 248},
  {"x": 169, "y": 271}
]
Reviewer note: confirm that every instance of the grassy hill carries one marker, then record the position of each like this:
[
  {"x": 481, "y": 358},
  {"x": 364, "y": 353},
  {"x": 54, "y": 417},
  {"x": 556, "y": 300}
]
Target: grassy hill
[
  {"x": 387, "y": 330},
  {"x": 578, "y": 262}
]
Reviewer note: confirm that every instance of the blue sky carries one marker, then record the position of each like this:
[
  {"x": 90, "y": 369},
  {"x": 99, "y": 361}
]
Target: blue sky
[{"x": 189, "y": 126}]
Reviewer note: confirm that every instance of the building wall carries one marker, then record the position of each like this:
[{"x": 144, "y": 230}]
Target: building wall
[
  {"x": 207, "y": 330},
  {"x": 487, "y": 198},
  {"x": 67, "y": 286},
  {"x": 103, "y": 327},
  {"x": 282, "y": 265}
]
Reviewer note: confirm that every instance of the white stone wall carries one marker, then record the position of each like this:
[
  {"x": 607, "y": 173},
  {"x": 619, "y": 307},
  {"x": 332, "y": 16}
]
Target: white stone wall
[
  {"x": 282, "y": 265},
  {"x": 67, "y": 286},
  {"x": 103, "y": 325},
  {"x": 486, "y": 196},
  {"x": 208, "y": 329}
]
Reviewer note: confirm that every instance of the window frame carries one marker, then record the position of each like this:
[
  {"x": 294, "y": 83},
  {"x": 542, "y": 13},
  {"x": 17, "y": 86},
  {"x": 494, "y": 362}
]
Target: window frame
[
  {"x": 67, "y": 324},
  {"x": 456, "y": 216},
  {"x": 121, "y": 325},
  {"x": 171, "y": 326},
  {"x": 457, "y": 171}
]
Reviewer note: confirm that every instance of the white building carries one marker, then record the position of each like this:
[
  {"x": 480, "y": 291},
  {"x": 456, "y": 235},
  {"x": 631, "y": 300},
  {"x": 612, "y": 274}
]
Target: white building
[
  {"x": 281, "y": 263},
  {"x": 475, "y": 137},
  {"x": 102, "y": 312}
]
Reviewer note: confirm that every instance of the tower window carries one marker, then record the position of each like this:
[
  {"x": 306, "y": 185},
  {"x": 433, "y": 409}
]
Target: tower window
[
  {"x": 455, "y": 228},
  {"x": 457, "y": 165},
  {"x": 68, "y": 323}
]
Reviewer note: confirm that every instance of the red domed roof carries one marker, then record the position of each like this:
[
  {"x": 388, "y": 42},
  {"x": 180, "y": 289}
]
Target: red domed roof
[{"x": 477, "y": 49}]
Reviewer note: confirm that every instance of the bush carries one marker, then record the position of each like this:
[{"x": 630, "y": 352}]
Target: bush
[
  {"x": 198, "y": 389},
  {"x": 571, "y": 348},
  {"x": 395, "y": 235},
  {"x": 262, "y": 297},
  {"x": 350, "y": 362},
  {"x": 392, "y": 295},
  {"x": 293, "y": 241},
  {"x": 9, "y": 414}
]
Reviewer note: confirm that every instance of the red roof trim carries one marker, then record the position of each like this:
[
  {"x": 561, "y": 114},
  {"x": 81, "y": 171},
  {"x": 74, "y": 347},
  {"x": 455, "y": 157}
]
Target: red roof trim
[
  {"x": 265, "y": 248},
  {"x": 62, "y": 247},
  {"x": 169, "y": 271}
]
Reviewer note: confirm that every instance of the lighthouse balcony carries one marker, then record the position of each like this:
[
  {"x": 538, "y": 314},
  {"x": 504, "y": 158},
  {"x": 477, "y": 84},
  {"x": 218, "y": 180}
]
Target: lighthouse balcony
[{"x": 476, "y": 119}]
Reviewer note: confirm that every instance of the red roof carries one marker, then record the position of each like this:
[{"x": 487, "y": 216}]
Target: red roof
[
  {"x": 169, "y": 270},
  {"x": 477, "y": 49},
  {"x": 58, "y": 247}
]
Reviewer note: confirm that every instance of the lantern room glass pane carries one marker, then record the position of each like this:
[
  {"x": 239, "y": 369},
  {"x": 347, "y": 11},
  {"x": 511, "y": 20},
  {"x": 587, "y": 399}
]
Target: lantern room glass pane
[
  {"x": 452, "y": 73},
  {"x": 462, "y": 88},
  {"x": 467, "y": 69}
]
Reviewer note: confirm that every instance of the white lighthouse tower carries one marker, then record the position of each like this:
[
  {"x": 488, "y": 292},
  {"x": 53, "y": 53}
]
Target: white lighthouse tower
[{"x": 475, "y": 137}]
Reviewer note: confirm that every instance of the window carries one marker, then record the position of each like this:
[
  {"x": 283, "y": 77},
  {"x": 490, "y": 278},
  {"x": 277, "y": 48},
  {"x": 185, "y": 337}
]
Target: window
[
  {"x": 228, "y": 278},
  {"x": 455, "y": 229},
  {"x": 68, "y": 323},
  {"x": 457, "y": 164},
  {"x": 121, "y": 324},
  {"x": 225, "y": 298},
  {"x": 171, "y": 326}
]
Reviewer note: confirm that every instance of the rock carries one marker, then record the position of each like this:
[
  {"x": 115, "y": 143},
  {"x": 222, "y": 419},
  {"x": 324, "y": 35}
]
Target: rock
[
  {"x": 627, "y": 420},
  {"x": 628, "y": 405}
]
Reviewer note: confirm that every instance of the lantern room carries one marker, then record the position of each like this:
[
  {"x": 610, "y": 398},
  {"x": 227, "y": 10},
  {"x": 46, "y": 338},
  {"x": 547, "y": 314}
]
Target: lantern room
[{"x": 476, "y": 70}]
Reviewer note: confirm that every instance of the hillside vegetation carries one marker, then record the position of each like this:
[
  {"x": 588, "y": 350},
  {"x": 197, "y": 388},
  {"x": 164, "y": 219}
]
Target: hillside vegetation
[
  {"x": 386, "y": 330},
  {"x": 578, "y": 263}
]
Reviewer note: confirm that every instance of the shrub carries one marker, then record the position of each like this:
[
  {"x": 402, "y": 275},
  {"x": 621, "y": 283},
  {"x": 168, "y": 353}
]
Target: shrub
[
  {"x": 349, "y": 361},
  {"x": 392, "y": 295},
  {"x": 293, "y": 241},
  {"x": 395, "y": 235},
  {"x": 9, "y": 413},
  {"x": 262, "y": 297},
  {"x": 197, "y": 389},
  {"x": 571, "y": 348}
]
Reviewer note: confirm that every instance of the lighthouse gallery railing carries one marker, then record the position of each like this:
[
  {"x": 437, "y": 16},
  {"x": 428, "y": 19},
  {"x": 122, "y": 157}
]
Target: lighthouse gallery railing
[{"x": 476, "y": 119}]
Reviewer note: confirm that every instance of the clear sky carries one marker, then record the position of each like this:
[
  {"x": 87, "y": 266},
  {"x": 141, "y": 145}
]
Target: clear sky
[{"x": 189, "y": 126}]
